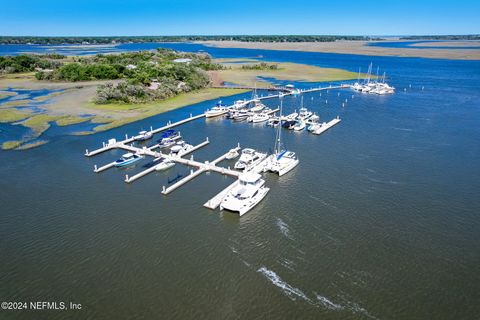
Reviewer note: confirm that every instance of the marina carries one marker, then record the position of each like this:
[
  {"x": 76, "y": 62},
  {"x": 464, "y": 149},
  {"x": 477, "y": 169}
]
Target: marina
[
  {"x": 360, "y": 221},
  {"x": 247, "y": 169}
]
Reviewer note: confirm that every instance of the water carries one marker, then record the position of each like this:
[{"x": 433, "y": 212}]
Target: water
[
  {"x": 410, "y": 44},
  {"x": 379, "y": 220}
]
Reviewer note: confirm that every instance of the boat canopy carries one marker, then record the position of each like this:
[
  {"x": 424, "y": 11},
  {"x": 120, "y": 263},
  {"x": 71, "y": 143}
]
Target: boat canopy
[
  {"x": 127, "y": 155},
  {"x": 250, "y": 177}
]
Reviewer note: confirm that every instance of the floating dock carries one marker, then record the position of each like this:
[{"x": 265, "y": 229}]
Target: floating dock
[
  {"x": 327, "y": 126},
  {"x": 197, "y": 167}
]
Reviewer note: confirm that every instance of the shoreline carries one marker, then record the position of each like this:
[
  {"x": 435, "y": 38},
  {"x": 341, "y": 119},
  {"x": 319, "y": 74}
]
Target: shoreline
[
  {"x": 73, "y": 104},
  {"x": 351, "y": 47}
]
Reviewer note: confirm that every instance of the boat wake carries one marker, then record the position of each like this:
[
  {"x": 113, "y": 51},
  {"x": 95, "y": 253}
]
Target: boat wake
[
  {"x": 289, "y": 264},
  {"x": 321, "y": 301},
  {"x": 326, "y": 204},
  {"x": 328, "y": 303},
  {"x": 284, "y": 229},
  {"x": 292, "y": 292},
  {"x": 403, "y": 129}
]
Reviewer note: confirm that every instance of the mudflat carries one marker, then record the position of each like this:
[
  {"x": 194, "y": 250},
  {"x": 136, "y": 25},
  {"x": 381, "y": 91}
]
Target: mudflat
[{"x": 352, "y": 47}]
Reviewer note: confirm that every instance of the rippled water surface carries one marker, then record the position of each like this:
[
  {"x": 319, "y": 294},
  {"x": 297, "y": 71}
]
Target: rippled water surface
[{"x": 379, "y": 220}]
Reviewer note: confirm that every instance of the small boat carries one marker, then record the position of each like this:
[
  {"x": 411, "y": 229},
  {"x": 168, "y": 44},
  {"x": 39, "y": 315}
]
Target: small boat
[
  {"x": 289, "y": 124},
  {"x": 273, "y": 122},
  {"x": 257, "y": 107},
  {"x": 181, "y": 147},
  {"x": 232, "y": 154},
  {"x": 261, "y": 117},
  {"x": 239, "y": 104},
  {"x": 292, "y": 116},
  {"x": 144, "y": 135},
  {"x": 169, "y": 138},
  {"x": 314, "y": 127},
  {"x": 314, "y": 118},
  {"x": 248, "y": 158},
  {"x": 216, "y": 111},
  {"x": 128, "y": 159},
  {"x": 249, "y": 191},
  {"x": 299, "y": 126},
  {"x": 240, "y": 115},
  {"x": 164, "y": 165}
]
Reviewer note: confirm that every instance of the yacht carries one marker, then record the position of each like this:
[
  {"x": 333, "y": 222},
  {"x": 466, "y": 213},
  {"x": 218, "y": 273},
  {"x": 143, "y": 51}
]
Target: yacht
[
  {"x": 248, "y": 158},
  {"x": 128, "y": 159},
  {"x": 216, "y": 111},
  {"x": 249, "y": 191},
  {"x": 144, "y": 135},
  {"x": 304, "y": 114},
  {"x": 281, "y": 161},
  {"x": 164, "y": 165}
]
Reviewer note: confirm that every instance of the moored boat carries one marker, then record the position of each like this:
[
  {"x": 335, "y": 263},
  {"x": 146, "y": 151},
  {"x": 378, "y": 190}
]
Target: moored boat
[
  {"x": 247, "y": 194},
  {"x": 282, "y": 160},
  {"x": 128, "y": 159},
  {"x": 144, "y": 135}
]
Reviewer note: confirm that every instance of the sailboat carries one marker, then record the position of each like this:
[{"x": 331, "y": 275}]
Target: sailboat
[{"x": 281, "y": 161}]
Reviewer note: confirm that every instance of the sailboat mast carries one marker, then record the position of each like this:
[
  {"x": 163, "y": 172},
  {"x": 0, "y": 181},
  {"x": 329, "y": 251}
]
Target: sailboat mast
[{"x": 278, "y": 139}]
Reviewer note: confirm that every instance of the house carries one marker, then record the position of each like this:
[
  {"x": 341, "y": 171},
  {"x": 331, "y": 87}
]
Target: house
[
  {"x": 154, "y": 84},
  {"x": 131, "y": 66},
  {"x": 182, "y": 60}
]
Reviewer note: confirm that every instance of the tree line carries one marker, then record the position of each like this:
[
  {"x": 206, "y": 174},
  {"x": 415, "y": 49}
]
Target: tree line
[{"x": 187, "y": 38}]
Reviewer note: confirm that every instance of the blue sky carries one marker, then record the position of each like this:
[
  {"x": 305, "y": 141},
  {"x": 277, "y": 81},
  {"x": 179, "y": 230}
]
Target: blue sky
[{"x": 185, "y": 17}]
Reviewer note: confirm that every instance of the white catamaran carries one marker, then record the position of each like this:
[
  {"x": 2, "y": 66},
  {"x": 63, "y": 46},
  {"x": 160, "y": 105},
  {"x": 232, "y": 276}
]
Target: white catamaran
[{"x": 282, "y": 160}]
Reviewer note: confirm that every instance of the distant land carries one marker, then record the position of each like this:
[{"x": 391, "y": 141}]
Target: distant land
[{"x": 242, "y": 38}]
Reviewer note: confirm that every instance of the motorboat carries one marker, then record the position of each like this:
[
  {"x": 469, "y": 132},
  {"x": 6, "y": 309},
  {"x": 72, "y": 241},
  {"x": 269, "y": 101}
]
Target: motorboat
[
  {"x": 128, "y": 159},
  {"x": 216, "y": 111},
  {"x": 181, "y": 147},
  {"x": 261, "y": 117},
  {"x": 240, "y": 115},
  {"x": 292, "y": 116},
  {"x": 314, "y": 127},
  {"x": 314, "y": 118},
  {"x": 289, "y": 124},
  {"x": 169, "y": 138},
  {"x": 232, "y": 154},
  {"x": 248, "y": 158},
  {"x": 246, "y": 194},
  {"x": 282, "y": 160},
  {"x": 304, "y": 114},
  {"x": 258, "y": 106},
  {"x": 273, "y": 122},
  {"x": 300, "y": 125},
  {"x": 144, "y": 135}
]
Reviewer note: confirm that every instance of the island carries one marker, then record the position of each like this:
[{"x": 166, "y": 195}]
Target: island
[{"x": 109, "y": 90}]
